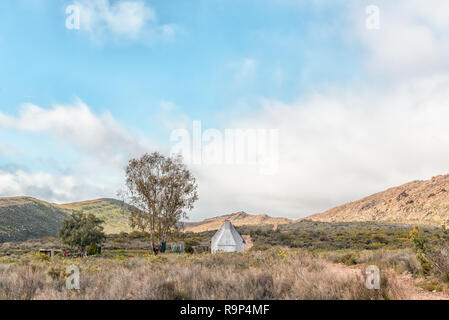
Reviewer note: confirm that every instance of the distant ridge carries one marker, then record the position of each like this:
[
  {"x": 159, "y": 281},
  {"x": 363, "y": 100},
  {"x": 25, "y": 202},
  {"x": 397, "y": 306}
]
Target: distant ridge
[
  {"x": 110, "y": 210},
  {"x": 238, "y": 219},
  {"x": 23, "y": 218},
  {"x": 423, "y": 202}
]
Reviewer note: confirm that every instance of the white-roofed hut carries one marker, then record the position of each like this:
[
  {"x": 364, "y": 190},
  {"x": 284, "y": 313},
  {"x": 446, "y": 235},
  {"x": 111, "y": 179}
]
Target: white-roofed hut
[{"x": 227, "y": 239}]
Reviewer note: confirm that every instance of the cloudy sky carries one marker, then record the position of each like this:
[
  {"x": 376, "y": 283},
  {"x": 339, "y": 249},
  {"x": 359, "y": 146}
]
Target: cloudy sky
[{"x": 357, "y": 90}]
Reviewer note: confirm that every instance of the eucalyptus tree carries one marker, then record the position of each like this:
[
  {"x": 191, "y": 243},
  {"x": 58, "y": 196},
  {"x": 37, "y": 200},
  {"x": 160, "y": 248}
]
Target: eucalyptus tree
[{"x": 159, "y": 190}]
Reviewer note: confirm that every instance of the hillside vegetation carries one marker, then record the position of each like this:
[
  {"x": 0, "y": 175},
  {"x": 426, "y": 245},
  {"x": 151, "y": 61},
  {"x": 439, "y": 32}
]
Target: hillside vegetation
[
  {"x": 417, "y": 202},
  {"x": 425, "y": 202},
  {"x": 109, "y": 210},
  {"x": 312, "y": 235},
  {"x": 23, "y": 218}
]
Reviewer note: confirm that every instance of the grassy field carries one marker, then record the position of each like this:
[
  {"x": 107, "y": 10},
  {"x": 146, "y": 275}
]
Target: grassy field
[
  {"x": 308, "y": 260},
  {"x": 272, "y": 274}
]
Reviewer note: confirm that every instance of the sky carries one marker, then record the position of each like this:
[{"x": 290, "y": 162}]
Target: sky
[{"x": 354, "y": 94}]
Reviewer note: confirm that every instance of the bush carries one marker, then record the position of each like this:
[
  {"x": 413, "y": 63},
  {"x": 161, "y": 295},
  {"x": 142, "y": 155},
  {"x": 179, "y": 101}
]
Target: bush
[
  {"x": 189, "y": 249},
  {"x": 81, "y": 230},
  {"x": 421, "y": 249},
  {"x": 92, "y": 250},
  {"x": 348, "y": 259},
  {"x": 439, "y": 262},
  {"x": 195, "y": 241},
  {"x": 434, "y": 258},
  {"x": 55, "y": 272},
  {"x": 42, "y": 257}
]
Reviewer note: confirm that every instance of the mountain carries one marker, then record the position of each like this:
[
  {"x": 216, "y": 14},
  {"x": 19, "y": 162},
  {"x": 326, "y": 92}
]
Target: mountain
[
  {"x": 109, "y": 210},
  {"x": 237, "y": 219},
  {"x": 23, "y": 218},
  {"x": 424, "y": 202}
]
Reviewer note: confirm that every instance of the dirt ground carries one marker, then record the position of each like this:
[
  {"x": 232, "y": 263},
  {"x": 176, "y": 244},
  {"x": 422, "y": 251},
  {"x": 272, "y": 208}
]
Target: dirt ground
[
  {"x": 414, "y": 292},
  {"x": 410, "y": 286}
]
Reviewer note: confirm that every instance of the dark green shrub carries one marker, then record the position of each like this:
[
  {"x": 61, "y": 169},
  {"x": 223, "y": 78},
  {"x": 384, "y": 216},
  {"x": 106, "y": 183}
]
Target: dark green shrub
[
  {"x": 348, "y": 259},
  {"x": 92, "y": 250},
  {"x": 421, "y": 250},
  {"x": 189, "y": 249},
  {"x": 81, "y": 230}
]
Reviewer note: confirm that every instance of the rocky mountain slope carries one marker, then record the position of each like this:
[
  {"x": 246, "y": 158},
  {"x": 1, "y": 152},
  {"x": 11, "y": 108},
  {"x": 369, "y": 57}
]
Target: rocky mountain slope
[
  {"x": 424, "y": 202},
  {"x": 237, "y": 219}
]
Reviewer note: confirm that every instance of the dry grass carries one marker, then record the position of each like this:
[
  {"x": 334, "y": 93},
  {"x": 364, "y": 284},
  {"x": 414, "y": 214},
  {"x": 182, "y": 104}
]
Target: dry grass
[
  {"x": 400, "y": 261},
  {"x": 274, "y": 274}
]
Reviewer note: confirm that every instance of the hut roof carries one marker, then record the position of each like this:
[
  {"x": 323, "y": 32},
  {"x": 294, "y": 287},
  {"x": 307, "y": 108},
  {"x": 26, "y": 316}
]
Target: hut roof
[{"x": 227, "y": 238}]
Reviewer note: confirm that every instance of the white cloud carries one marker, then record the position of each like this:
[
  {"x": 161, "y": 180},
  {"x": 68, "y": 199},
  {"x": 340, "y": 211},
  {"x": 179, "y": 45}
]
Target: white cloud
[
  {"x": 413, "y": 39},
  {"x": 53, "y": 188},
  {"x": 102, "y": 145},
  {"x": 76, "y": 125},
  {"x": 128, "y": 18},
  {"x": 132, "y": 20},
  {"x": 337, "y": 147},
  {"x": 350, "y": 141}
]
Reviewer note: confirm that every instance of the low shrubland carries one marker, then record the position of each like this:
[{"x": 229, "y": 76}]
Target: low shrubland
[
  {"x": 272, "y": 274},
  {"x": 307, "y": 260}
]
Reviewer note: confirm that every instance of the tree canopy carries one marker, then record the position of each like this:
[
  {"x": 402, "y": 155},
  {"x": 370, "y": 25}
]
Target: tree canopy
[
  {"x": 160, "y": 191},
  {"x": 81, "y": 230}
]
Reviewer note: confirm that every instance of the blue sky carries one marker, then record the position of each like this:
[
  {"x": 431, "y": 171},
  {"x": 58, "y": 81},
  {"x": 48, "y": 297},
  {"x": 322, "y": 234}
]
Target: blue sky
[
  {"x": 45, "y": 63},
  {"x": 135, "y": 70}
]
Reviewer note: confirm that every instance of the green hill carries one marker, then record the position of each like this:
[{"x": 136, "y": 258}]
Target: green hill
[
  {"x": 23, "y": 218},
  {"x": 110, "y": 210}
]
